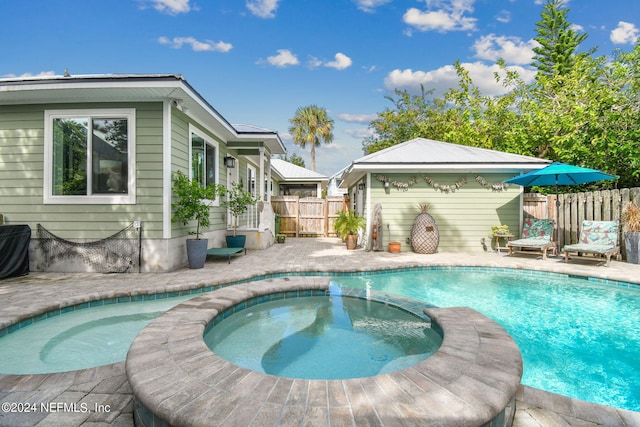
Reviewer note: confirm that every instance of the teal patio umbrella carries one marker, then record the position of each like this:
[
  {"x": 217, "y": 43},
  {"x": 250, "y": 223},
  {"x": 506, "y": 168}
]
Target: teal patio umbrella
[{"x": 560, "y": 174}]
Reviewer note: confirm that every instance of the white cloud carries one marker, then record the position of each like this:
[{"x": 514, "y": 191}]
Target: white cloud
[
  {"x": 341, "y": 62},
  {"x": 442, "y": 16},
  {"x": 197, "y": 46},
  {"x": 170, "y": 7},
  {"x": 626, "y": 32},
  {"x": 284, "y": 58},
  {"x": 40, "y": 74},
  {"x": 357, "y": 118},
  {"x": 370, "y": 6},
  {"x": 360, "y": 133},
  {"x": 263, "y": 8},
  {"x": 441, "y": 79},
  {"x": 314, "y": 62},
  {"x": 510, "y": 48},
  {"x": 504, "y": 16}
]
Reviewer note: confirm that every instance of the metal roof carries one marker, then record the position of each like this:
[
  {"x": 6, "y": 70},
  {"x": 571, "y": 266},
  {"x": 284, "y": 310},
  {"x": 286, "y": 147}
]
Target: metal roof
[
  {"x": 131, "y": 88},
  {"x": 290, "y": 172},
  {"x": 421, "y": 151},
  {"x": 427, "y": 155}
]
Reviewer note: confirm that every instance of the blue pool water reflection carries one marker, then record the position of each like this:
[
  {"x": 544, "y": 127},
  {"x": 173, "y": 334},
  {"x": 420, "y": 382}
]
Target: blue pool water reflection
[{"x": 578, "y": 338}]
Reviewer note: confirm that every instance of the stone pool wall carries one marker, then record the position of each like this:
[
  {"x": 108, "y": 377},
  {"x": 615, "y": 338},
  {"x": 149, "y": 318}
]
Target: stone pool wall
[{"x": 176, "y": 380}]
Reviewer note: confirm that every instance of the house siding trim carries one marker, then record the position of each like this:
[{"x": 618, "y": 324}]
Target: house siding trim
[{"x": 166, "y": 169}]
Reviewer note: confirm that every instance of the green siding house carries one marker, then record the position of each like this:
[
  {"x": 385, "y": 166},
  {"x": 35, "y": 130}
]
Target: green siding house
[
  {"x": 462, "y": 184},
  {"x": 87, "y": 156}
]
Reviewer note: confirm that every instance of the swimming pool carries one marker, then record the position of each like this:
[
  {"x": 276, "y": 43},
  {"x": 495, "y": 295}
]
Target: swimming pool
[
  {"x": 323, "y": 337},
  {"x": 79, "y": 339},
  {"x": 578, "y": 337},
  {"x": 544, "y": 312}
]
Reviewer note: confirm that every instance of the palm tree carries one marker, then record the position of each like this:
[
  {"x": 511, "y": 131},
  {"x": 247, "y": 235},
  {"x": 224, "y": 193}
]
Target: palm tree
[{"x": 310, "y": 126}]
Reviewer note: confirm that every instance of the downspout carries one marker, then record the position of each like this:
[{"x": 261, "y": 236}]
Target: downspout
[{"x": 367, "y": 204}]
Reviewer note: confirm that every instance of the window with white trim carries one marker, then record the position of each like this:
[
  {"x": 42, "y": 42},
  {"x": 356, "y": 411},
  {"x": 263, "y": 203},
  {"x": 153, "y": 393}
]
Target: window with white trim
[
  {"x": 89, "y": 156},
  {"x": 204, "y": 158}
]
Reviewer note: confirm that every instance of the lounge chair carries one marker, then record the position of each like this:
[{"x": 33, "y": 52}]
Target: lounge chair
[
  {"x": 536, "y": 237},
  {"x": 597, "y": 238},
  {"x": 226, "y": 252}
]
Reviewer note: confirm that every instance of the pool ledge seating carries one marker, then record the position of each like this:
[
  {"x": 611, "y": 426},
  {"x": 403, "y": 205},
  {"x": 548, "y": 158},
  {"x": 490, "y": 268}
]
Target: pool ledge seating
[
  {"x": 176, "y": 380},
  {"x": 597, "y": 238},
  {"x": 536, "y": 237}
]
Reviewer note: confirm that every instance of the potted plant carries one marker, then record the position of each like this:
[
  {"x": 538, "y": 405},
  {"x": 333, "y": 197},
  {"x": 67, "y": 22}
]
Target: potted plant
[
  {"x": 238, "y": 202},
  {"x": 280, "y": 238},
  {"x": 499, "y": 230},
  {"x": 347, "y": 225},
  {"x": 631, "y": 224},
  {"x": 192, "y": 203}
]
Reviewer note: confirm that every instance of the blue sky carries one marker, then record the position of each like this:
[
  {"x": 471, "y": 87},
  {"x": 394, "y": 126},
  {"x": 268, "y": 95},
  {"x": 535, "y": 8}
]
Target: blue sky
[{"x": 257, "y": 61}]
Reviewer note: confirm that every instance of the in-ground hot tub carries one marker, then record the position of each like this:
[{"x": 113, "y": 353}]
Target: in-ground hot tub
[
  {"x": 322, "y": 337},
  {"x": 177, "y": 380}
]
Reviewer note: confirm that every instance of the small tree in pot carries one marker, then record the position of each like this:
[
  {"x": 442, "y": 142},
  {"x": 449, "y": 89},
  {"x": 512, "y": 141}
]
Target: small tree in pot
[
  {"x": 631, "y": 223},
  {"x": 192, "y": 203},
  {"x": 238, "y": 202},
  {"x": 347, "y": 225}
]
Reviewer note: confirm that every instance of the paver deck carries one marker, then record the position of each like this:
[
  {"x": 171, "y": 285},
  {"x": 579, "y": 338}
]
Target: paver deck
[{"x": 107, "y": 387}]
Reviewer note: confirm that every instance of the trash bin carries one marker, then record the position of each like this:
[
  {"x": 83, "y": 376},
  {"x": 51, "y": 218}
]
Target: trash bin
[{"x": 277, "y": 223}]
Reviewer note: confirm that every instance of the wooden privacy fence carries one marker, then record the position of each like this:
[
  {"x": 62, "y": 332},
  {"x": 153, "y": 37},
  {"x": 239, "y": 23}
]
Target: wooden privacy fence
[
  {"x": 308, "y": 216},
  {"x": 603, "y": 205}
]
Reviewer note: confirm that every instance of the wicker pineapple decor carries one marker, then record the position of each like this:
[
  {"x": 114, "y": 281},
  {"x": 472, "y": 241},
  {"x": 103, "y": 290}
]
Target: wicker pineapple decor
[{"x": 424, "y": 234}]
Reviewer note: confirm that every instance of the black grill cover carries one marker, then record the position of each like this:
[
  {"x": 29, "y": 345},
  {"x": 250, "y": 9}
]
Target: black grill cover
[{"x": 14, "y": 250}]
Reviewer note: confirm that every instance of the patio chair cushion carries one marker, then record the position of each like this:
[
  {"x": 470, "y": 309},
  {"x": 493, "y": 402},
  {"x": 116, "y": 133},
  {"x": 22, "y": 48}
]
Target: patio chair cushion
[
  {"x": 596, "y": 238},
  {"x": 537, "y": 235},
  {"x": 531, "y": 243},
  {"x": 537, "y": 229},
  {"x": 599, "y": 233}
]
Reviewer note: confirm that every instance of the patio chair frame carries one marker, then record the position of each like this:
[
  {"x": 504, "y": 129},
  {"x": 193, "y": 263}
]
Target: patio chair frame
[
  {"x": 595, "y": 247},
  {"x": 533, "y": 244}
]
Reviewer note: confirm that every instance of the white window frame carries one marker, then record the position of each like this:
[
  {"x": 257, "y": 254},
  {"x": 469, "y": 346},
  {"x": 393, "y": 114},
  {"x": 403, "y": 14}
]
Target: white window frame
[
  {"x": 209, "y": 141},
  {"x": 98, "y": 199}
]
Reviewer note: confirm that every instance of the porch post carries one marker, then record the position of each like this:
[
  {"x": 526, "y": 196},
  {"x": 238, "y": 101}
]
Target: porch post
[
  {"x": 260, "y": 178},
  {"x": 268, "y": 181}
]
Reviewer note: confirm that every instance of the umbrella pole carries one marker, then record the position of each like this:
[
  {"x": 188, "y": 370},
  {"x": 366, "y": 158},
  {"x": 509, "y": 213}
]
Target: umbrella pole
[{"x": 557, "y": 219}]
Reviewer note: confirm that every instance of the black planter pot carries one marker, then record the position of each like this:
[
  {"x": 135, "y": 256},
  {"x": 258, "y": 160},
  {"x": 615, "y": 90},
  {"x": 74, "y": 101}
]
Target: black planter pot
[
  {"x": 197, "y": 252},
  {"x": 632, "y": 245},
  {"x": 236, "y": 241}
]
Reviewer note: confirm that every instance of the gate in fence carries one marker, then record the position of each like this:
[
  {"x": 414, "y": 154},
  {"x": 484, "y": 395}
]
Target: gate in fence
[{"x": 307, "y": 216}]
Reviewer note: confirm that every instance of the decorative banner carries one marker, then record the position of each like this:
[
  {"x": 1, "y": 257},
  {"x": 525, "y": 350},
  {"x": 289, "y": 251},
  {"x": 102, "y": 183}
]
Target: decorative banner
[{"x": 444, "y": 188}]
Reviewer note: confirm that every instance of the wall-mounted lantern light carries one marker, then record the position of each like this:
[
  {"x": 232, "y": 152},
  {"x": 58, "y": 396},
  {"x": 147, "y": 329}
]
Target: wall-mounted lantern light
[
  {"x": 386, "y": 184},
  {"x": 230, "y": 162},
  {"x": 361, "y": 186}
]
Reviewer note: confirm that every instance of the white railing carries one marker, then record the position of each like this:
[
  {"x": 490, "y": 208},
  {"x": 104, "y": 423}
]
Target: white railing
[{"x": 258, "y": 217}]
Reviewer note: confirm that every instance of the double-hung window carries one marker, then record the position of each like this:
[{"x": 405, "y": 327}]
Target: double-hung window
[
  {"x": 89, "y": 156},
  {"x": 204, "y": 158}
]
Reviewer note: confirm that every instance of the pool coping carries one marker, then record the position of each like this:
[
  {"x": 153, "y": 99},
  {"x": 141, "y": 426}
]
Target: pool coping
[{"x": 176, "y": 380}]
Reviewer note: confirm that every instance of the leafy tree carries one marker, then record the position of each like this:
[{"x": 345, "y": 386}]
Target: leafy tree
[
  {"x": 295, "y": 159},
  {"x": 311, "y": 125},
  {"x": 558, "y": 41}
]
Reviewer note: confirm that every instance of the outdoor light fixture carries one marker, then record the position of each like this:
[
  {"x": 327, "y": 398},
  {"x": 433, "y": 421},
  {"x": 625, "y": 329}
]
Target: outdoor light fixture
[
  {"x": 230, "y": 162},
  {"x": 361, "y": 186},
  {"x": 386, "y": 184}
]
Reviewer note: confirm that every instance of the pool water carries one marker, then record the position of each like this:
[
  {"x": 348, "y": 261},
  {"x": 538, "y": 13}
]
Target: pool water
[
  {"x": 79, "y": 339},
  {"x": 578, "y": 338},
  {"x": 323, "y": 337}
]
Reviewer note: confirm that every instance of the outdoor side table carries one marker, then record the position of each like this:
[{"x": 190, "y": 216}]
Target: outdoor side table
[{"x": 498, "y": 238}]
